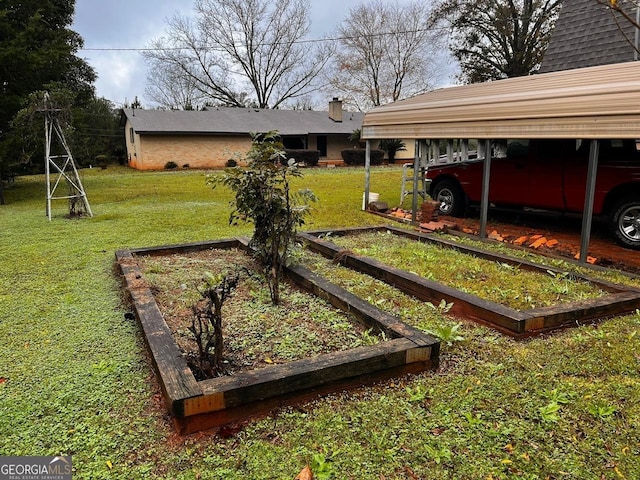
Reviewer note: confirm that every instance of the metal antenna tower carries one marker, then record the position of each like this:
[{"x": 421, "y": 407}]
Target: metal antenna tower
[{"x": 63, "y": 166}]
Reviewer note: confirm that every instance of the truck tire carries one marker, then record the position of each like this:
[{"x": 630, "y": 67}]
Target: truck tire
[
  {"x": 624, "y": 222},
  {"x": 451, "y": 197}
]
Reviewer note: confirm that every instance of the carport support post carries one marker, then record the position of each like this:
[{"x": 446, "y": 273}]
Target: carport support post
[
  {"x": 587, "y": 213},
  {"x": 416, "y": 173},
  {"x": 367, "y": 172},
  {"x": 484, "y": 201}
]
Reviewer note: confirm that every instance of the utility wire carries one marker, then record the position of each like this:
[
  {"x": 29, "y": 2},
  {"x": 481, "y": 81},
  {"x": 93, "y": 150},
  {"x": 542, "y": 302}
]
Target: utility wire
[{"x": 307, "y": 41}]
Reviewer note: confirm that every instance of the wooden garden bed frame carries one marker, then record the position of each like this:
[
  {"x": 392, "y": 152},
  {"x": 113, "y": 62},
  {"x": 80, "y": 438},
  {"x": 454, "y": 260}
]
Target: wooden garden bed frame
[
  {"x": 197, "y": 405},
  {"x": 620, "y": 300}
]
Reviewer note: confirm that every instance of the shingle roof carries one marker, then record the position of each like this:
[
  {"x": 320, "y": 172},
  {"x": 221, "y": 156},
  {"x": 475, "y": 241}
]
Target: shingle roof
[
  {"x": 229, "y": 121},
  {"x": 586, "y": 35}
]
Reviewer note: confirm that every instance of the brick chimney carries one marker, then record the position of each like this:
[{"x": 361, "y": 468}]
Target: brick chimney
[{"x": 335, "y": 110}]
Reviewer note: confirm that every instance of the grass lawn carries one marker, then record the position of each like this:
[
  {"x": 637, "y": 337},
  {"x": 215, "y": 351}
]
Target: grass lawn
[{"x": 75, "y": 377}]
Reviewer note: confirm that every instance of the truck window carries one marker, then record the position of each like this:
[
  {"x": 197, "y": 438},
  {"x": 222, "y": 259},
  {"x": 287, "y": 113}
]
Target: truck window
[{"x": 517, "y": 148}]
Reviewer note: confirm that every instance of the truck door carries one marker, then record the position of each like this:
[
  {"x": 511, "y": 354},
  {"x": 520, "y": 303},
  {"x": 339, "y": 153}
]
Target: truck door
[
  {"x": 546, "y": 171},
  {"x": 509, "y": 173}
]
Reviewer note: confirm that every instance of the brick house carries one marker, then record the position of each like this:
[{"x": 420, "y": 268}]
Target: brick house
[{"x": 210, "y": 137}]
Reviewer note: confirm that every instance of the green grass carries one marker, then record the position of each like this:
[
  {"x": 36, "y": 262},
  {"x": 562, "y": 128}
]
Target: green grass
[
  {"x": 76, "y": 378},
  {"x": 492, "y": 280}
]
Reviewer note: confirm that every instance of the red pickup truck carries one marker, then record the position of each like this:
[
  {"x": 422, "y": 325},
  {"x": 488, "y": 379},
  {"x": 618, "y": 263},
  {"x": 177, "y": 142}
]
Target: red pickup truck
[{"x": 549, "y": 175}]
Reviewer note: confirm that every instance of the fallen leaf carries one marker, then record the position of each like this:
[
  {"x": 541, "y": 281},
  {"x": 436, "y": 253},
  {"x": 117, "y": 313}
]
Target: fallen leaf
[
  {"x": 509, "y": 448},
  {"x": 305, "y": 474},
  {"x": 411, "y": 473},
  {"x": 267, "y": 360},
  {"x": 109, "y": 464},
  {"x": 2, "y": 380}
]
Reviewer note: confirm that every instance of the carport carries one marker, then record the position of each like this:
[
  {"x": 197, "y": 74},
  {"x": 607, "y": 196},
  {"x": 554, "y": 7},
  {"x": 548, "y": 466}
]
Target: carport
[{"x": 592, "y": 103}]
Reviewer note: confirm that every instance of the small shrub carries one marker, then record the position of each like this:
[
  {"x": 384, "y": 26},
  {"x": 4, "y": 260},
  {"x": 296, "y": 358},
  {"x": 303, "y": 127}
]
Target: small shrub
[
  {"x": 170, "y": 166},
  {"x": 308, "y": 158},
  {"x": 231, "y": 163},
  {"x": 356, "y": 156},
  {"x": 263, "y": 196},
  {"x": 102, "y": 161},
  {"x": 392, "y": 146},
  {"x": 186, "y": 166},
  {"x": 206, "y": 324}
]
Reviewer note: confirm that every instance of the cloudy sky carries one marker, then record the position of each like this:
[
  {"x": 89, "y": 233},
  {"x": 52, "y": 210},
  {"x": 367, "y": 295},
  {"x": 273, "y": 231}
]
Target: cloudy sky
[{"x": 131, "y": 24}]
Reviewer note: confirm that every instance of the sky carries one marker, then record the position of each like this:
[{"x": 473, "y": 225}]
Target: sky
[{"x": 122, "y": 24}]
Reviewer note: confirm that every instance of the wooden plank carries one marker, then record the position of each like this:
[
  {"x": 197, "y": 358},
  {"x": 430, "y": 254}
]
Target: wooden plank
[
  {"x": 576, "y": 312},
  {"x": 197, "y": 422},
  {"x": 366, "y": 313},
  {"x": 176, "y": 378},
  {"x": 277, "y": 380},
  {"x": 185, "y": 247},
  {"x": 464, "y": 304}
]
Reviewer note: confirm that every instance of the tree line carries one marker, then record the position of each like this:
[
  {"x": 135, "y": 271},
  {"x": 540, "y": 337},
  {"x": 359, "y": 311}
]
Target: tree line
[
  {"x": 256, "y": 53},
  {"x": 38, "y": 53}
]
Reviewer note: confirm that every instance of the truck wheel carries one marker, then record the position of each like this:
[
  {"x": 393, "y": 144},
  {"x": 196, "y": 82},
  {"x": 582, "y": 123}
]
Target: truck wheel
[
  {"x": 625, "y": 222},
  {"x": 451, "y": 197}
]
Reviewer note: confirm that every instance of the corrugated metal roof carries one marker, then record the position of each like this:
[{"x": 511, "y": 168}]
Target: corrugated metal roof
[
  {"x": 595, "y": 102},
  {"x": 229, "y": 121}
]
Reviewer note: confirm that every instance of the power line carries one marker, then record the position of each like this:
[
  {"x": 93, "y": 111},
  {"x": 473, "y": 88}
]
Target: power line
[{"x": 307, "y": 41}]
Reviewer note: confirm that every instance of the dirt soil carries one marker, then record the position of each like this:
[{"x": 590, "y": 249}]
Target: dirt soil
[
  {"x": 256, "y": 332},
  {"x": 560, "y": 234}
]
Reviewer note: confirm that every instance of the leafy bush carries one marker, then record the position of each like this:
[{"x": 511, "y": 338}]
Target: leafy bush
[
  {"x": 102, "y": 161},
  {"x": 263, "y": 197},
  {"x": 231, "y": 163},
  {"x": 309, "y": 158},
  {"x": 356, "y": 156},
  {"x": 392, "y": 146},
  {"x": 170, "y": 165}
]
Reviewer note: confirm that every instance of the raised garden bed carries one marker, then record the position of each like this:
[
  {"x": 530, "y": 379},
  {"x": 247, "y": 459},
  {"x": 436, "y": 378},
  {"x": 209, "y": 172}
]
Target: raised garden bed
[
  {"x": 200, "y": 404},
  {"x": 615, "y": 300}
]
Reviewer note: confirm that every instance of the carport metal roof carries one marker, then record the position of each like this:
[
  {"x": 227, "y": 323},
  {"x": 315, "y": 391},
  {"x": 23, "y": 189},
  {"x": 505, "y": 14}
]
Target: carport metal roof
[{"x": 587, "y": 103}]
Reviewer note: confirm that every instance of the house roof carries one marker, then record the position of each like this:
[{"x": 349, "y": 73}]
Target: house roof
[
  {"x": 240, "y": 121},
  {"x": 587, "y": 34},
  {"x": 594, "y": 102}
]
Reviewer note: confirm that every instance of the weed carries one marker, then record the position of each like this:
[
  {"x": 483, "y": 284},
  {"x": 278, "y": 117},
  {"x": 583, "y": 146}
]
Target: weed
[
  {"x": 418, "y": 393},
  {"x": 448, "y": 333},
  {"x": 322, "y": 467},
  {"x": 601, "y": 410},
  {"x": 473, "y": 420},
  {"x": 549, "y": 412},
  {"x": 443, "y": 307}
]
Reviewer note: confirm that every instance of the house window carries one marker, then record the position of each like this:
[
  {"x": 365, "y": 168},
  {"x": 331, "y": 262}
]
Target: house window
[
  {"x": 322, "y": 145},
  {"x": 132, "y": 137}
]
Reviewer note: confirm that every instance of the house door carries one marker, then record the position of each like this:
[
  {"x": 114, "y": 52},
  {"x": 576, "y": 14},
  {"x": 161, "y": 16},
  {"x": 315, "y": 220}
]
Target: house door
[{"x": 322, "y": 145}]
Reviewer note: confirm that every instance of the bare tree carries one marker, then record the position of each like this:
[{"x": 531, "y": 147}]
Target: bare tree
[
  {"x": 236, "y": 52},
  {"x": 625, "y": 12},
  {"x": 172, "y": 89},
  {"x": 385, "y": 52},
  {"x": 495, "y": 39}
]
